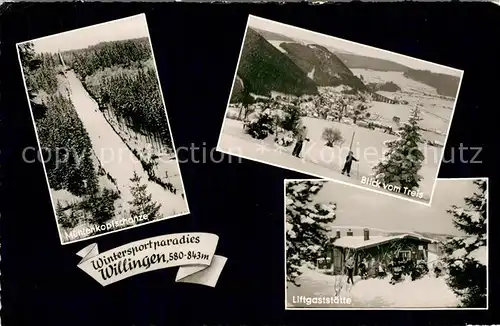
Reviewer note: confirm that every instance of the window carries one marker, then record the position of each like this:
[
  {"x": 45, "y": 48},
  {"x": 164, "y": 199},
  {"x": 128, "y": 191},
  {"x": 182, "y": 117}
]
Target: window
[
  {"x": 422, "y": 255},
  {"x": 405, "y": 255}
]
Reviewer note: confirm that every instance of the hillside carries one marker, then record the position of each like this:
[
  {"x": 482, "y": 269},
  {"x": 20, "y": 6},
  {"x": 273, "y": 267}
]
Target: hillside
[
  {"x": 321, "y": 65},
  {"x": 270, "y": 36},
  {"x": 237, "y": 91},
  {"x": 88, "y": 60},
  {"x": 354, "y": 61},
  {"x": 445, "y": 85},
  {"x": 384, "y": 87},
  {"x": 263, "y": 69}
]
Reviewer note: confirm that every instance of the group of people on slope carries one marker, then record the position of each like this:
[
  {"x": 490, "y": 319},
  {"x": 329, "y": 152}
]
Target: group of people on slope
[{"x": 301, "y": 137}]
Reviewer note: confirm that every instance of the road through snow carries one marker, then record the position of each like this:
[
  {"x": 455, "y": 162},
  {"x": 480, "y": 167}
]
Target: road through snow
[{"x": 114, "y": 155}]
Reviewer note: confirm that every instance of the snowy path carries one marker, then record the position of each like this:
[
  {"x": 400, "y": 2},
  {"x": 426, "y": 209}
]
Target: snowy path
[{"x": 114, "y": 155}]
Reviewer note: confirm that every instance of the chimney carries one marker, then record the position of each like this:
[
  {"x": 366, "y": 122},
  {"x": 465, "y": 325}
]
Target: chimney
[
  {"x": 349, "y": 233},
  {"x": 366, "y": 233},
  {"x": 337, "y": 234}
]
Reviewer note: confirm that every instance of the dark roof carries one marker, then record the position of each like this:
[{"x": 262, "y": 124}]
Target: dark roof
[{"x": 358, "y": 242}]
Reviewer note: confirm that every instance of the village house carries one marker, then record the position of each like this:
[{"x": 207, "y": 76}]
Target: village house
[{"x": 374, "y": 250}]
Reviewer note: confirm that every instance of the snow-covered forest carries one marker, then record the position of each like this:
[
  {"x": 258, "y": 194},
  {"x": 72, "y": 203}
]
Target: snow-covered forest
[
  {"x": 121, "y": 77},
  {"x": 105, "y": 136}
]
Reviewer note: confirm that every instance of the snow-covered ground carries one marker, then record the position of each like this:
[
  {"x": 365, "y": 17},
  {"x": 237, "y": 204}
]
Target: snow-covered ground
[
  {"x": 427, "y": 292},
  {"x": 114, "y": 156},
  {"x": 436, "y": 110},
  {"x": 320, "y": 160},
  {"x": 311, "y": 73},
  {"x": 277, "y": 44}
]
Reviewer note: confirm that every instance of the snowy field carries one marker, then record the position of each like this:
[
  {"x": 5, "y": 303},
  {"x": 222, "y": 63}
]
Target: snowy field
[
  {"x": 436, "y": 110},
  {"x": 320, "y": 160},
  {"x": 427, "y": 292},
  {"x": 434, "y": 118},
  {"x": 397, "y": 77}
]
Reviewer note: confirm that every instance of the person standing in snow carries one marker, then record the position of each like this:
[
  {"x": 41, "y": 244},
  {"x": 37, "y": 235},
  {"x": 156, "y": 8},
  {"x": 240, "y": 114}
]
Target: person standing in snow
[
  {"x": 397, "y": 271},
  {"x": 380, "y": 271},
  {"x": 438, "y": 268},
  {"x": 300, "y": 137},
  {"x": 348, "y": 163},
  {"x": 349, "y": 265},
  {"x": 363, "y": 271}
]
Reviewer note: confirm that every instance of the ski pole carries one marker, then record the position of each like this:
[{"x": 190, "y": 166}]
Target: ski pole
[{"x": 352, "y": 140}]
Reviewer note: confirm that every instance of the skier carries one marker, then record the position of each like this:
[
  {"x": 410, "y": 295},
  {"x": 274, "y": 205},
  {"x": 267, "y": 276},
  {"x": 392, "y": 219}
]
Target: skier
[
  {"x": 348, "y": 163},
  {"x": 349, "y": 265},
  {"x": 300, "y": 138}
]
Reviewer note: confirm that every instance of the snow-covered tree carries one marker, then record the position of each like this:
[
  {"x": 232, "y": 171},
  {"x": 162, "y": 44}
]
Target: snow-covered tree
[
  {"x": 404, "y": 158},
  {"x": 466, "y": 256},
  {"x": 307, "y": 225},
  {"x": 246, "y": 100},
  {"x": 262, "y": 126},
  {"x": 142, "y": 204},
  {"x": 62, "y": 217}
]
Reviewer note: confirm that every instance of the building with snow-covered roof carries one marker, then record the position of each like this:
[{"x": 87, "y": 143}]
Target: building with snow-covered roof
[{"x": 376, "y": 251}]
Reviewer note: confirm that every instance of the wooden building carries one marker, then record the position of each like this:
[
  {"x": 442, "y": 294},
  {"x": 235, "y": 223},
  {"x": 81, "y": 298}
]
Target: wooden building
[{"x": 376, "y": 250}]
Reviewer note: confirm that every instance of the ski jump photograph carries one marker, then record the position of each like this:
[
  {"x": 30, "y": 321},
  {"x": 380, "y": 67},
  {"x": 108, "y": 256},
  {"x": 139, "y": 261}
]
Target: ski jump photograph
[
  {"x": 347, "y": 248},
  {"x": 102, "y": 128},
  {"x": 340, "y": 110}
]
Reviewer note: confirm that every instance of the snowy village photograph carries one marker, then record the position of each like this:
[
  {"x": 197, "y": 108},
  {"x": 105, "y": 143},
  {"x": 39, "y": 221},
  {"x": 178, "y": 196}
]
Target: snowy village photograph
[
  {"x": 348, "y": 248},
  {"x": 102, "y": 128},
  {"x": 339, "y": 110}
]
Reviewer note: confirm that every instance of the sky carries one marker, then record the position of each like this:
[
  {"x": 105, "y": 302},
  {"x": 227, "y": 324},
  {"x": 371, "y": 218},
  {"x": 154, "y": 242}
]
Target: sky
[
  {"x": 364, "y": 208},
  {"x": 121, "y": 29},
  {"x": 347, "y": 46}
]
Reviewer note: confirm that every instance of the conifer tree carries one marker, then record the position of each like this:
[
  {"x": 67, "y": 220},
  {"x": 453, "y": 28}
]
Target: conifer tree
[
  {"x": 263, "y": 126},
  {"x": 403, "y": 160},
  {"x": 466, "y": 257},
  {"x": 142, "y": 205},
  {"x": 292, "y": 119},
  {"x": 65, "y": 219},
  {"x": 61, "y": 215},
  {"x": 307, "y": 226}
]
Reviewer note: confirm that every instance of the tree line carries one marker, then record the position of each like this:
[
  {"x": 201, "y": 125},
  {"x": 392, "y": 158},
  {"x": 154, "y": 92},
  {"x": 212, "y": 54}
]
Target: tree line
[
  {"x": 120, "y": 77},
  {"x": 39, "y": 70},
  {"x": 58, "y": 126},
  {"x": 86, "y": 62},
  {"x": 133, "y": 96},
  {"x": 66, "y": 143}
]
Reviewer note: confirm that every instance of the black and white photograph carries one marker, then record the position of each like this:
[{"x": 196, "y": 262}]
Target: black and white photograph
[
  {"x": 353, "y": 249},
  {"x": 102, "y": 128},
  {"x": 340, "y": 110}
]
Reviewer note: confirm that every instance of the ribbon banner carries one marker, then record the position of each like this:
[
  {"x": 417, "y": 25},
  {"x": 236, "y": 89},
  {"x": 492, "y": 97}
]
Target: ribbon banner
[{"x": 193, "y": 252}]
